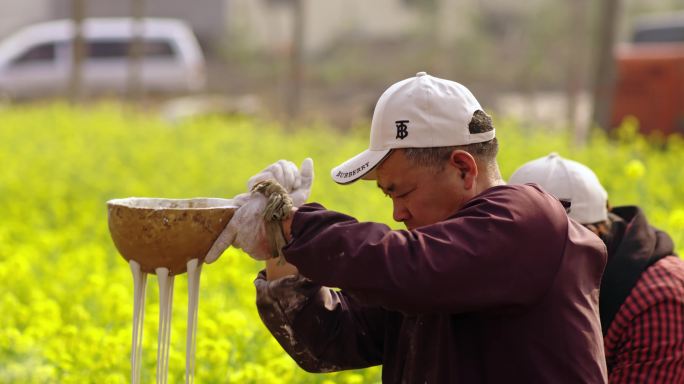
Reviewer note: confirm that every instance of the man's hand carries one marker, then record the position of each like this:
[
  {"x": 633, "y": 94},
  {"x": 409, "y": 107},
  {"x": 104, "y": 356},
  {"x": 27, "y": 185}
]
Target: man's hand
[
  {"x": 276, "y": 270},
  {"x": 226, "y": 237},
  {"x": 297, "y": 182},
  {"x": 246, "y": 229}
]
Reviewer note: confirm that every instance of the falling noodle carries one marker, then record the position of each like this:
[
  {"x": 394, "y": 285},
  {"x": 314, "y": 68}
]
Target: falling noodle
[
  {"x": 194, "y": 271},
  {"x": 164, "y": 339},
  {"x": 139, "y": 286}
]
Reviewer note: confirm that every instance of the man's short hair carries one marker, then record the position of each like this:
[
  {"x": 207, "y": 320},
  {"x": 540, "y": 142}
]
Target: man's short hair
[{"x": 437, "y": 156}]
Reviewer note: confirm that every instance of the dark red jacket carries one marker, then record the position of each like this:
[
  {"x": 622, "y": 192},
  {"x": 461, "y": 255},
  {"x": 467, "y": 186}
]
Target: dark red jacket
[{"x": 503, "y": 291}]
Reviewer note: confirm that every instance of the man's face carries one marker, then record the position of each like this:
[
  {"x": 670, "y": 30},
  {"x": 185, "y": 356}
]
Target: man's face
[{"x": 420, "y": 195}]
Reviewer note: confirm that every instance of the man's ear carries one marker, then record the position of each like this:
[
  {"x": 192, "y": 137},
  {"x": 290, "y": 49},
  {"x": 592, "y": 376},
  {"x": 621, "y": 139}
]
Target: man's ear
[{"x": 465, "y": 163}]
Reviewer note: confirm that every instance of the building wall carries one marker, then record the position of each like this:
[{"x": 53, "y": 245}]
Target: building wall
[
  {"x": 16, "y": 14},
  {"x": 207, "y": 17},
  {"x": 258, "y": 24},
  {"x": 268, "y": 24},
  {"x": 327, "y": 20}
]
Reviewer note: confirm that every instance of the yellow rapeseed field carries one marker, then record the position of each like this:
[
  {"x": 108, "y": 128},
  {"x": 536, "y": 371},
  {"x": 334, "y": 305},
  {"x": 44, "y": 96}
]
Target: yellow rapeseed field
[{"x": 67, "y": 296}]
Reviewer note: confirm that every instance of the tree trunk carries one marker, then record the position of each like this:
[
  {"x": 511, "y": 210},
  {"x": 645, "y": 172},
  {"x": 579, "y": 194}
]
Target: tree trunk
[
  {"x": 576, "y": 57},
  {"x": 135, "y": 58},
  {"x": 78, "y": 51},
  {"x": 604, "y": 80},
  {"x": 296, "y": 60}
]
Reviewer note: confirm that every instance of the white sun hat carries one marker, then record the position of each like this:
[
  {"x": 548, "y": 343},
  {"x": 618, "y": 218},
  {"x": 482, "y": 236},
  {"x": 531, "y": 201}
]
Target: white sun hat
[
  {"x": 568, "y": 181},
  {"x": 419, "y": 112}
]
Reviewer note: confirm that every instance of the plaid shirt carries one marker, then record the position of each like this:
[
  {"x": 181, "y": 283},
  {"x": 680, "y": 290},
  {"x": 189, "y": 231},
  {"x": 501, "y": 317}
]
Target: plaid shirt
[{"x": 645, "y": 341}]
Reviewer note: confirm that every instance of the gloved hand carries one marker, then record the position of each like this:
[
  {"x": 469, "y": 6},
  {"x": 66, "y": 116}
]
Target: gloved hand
[
  {"x": 245, "y": 230},
  {"x": 251, "y": 236},
  {"x": 296, "y": 182}
]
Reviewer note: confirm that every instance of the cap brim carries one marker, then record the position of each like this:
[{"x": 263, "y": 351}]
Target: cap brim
[{"x": 359, "y": 166}]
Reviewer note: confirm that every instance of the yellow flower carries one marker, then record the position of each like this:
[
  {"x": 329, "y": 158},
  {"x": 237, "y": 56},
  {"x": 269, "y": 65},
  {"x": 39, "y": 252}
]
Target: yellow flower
[
  {"x": 354, "y": 378},
  {"x": 677, "y": 218},
  {"x": 635, "y": 169}
]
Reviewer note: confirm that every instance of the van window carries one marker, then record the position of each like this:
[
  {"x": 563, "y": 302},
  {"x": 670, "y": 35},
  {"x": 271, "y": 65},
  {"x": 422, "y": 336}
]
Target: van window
[
  {"x": 107, "y": 49},
  {"x": 39, "y": 54},
  {"x": 671, "y": 34},
  {"x": 158, "y": 49},
  {"x": 121, "y": 49}
]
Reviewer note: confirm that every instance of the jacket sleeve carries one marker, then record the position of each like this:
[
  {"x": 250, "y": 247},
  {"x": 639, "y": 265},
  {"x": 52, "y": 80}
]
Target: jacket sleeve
[
  {"x": 323, "y": 330},
  {"x": 497, "y": 255}
]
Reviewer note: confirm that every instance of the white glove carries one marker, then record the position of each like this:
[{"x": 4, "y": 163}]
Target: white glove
[
  {"x": 246, "y": 229},
  {"x": 296, "y": 182},
  {"x": 252, "y": 237}
]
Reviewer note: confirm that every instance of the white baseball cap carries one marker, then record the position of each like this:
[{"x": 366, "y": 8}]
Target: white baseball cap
[
  {"x": 419, "y": 112},
  {"x": 569, "y": 181}
]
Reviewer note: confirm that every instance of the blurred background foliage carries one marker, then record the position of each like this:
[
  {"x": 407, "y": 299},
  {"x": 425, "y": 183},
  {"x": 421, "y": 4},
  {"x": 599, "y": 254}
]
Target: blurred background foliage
[
  {"x": 519, "y": 58},
  {"x": 329, "y": 60},
  {"x": 67, "y": 294}
]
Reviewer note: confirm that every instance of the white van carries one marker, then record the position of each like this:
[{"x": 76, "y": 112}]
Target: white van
[{"x": 37, "y": 60}]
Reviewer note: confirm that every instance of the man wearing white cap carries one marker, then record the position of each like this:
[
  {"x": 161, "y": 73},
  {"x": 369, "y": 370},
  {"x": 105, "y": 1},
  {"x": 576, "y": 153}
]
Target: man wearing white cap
[
  {"x": 642, "y": 291},
  {"x": 488, "y": 284}
]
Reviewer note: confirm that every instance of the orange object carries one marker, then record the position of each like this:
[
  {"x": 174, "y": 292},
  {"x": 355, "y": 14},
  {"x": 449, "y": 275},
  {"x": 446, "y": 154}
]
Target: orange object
[{"x": 650, "y": 86}]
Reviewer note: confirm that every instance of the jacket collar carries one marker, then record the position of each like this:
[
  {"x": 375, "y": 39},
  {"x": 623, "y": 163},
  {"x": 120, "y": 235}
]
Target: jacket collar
[{"x": 633, "y": 246}]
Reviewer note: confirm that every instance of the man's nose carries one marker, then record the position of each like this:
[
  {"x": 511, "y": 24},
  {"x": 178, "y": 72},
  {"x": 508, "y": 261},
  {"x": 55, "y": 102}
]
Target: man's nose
[{"x": 400, "y": 212}]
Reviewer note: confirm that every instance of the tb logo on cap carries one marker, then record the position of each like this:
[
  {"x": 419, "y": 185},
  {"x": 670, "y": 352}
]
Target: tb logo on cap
[{"x": 402, "y": 129}]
